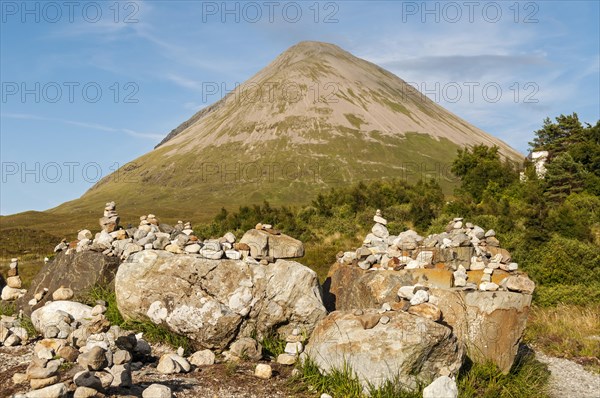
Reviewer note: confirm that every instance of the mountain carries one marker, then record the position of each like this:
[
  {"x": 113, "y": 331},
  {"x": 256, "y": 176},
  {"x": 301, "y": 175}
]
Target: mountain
[{"x": 316, "y": 117}]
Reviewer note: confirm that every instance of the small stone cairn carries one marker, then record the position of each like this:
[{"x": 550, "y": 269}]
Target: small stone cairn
[{"x": 13, "y": 290}]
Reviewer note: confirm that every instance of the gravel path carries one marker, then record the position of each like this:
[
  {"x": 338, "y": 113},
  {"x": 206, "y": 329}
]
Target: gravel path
[{"x": 569, "y": 379}]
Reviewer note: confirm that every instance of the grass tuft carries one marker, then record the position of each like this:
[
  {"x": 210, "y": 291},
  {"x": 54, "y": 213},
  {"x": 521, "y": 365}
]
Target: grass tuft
[
  {"x": 528, "y": 378},
  {"x": 7, "y": 308},
  {"x": 272, "y": 345}
]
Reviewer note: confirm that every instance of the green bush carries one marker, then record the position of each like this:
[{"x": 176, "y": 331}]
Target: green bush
[{"x": 563, "y": 261}]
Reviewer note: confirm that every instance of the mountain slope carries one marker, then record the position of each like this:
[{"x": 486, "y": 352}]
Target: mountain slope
[{"x": 315, "y": 117}]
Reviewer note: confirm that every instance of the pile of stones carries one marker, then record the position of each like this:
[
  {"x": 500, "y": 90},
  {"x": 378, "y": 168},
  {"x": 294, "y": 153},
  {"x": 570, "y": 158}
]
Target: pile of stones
[
  {"x": 104, "y": 353},
  {"x": 462, "y": 248},
  {"x": 150, "y": 234},
  {"x": 12, "y": 290},
  {"x": 293, "y": 348},
  {"x": 11, "y": 332}
]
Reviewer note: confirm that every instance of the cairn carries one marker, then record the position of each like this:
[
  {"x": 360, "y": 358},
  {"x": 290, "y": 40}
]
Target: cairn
[
  {"x": 466, "y": 249},
  {"x": 150, "y": 234},
  {"x": 110, "y": 221},
  {"x": 12, "y": 290}
]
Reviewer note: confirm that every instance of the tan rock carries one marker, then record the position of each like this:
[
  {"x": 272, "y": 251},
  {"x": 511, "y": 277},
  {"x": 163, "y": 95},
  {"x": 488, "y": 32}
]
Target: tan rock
[
  {"x": 85, "y": 392},
  {"x": 19, "y": 378},
  {"x": 14, "y": 282},
  {"x": 489, "y": 324},
  {"x": 426, "y": 310},
  {"x": 286, "y": 359},
  {"x": 263, "y": 371},
  {"x": 369, "y": 321},
  {"x": 264, "y": 244},
  {"x": 409, "y": 349},
  {"x": 58, "y": 390},
  {"x": 520, "y": 283},
  {"x": 69, "y": 353},
  {"x": 36, "y": 384}
]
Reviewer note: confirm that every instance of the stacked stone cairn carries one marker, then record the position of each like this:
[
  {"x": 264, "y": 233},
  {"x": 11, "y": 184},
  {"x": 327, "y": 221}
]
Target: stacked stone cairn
[
  {"x": 463, "y": 248},
  {"x": 150, "y": 234},
  {"x": 13, "y": 290},
  {"x": 114, "y": 240},
  {"x": 293, "y": 348}
]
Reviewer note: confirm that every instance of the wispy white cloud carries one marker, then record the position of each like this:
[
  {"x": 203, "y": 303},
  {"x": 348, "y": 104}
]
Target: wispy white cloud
[
  {"x": 90, "y": 126},
  {"x": 184, "y": 82}
]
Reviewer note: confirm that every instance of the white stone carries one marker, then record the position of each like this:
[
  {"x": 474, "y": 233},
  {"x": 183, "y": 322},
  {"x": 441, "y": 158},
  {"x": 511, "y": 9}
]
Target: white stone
[
  {"x": 380, "y": 220},
  {"x": 229, "y": 237},
  {"x": 193, "y": 248},
  {"x": 48, "y": 314},
  {"x": 202, "y": 358},
  {"x": 286, "y": 359},
  {"x": 54, "y": 391},
  {"x": 84, "y": 234},
  {"x": 442, "y": 387},
  {"x": 476, "y": 264},
  {"x": 157, "y": 391},
  {"x": 421, "y": 296},
  {"x": 425, "y": 257},
  {"x": 233, "y": 254},
  {"x": 490, "y": 233},
  {"x": 263, "y": 371},
  {"x": 413, "y": 264},
  {"x": 488, "y": 286},
  {"x": 10, "y": 294},
  {"x": 63, "y": 293},
  {"x": 380, "y": 231},
  {"x": 98, "y": 309},
  {"x": 294, "y": 348},
  {"x": 211, "y": 254},
  {"x": 406, "y": 292}
]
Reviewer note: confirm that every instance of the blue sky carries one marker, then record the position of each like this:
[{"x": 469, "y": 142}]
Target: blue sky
[{"x": 89, "y": 86}]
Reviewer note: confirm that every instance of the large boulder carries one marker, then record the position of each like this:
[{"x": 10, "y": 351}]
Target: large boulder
[
  {"x": 213, "y": 302},
  {"x": 489, "y": 324},
  {"x": 408, "y": 349},
  {"x": 265, "y": 244},
  {"x": 77, "y": 271}
]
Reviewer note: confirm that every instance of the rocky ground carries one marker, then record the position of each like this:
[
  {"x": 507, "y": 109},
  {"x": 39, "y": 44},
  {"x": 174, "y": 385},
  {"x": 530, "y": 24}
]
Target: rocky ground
[
  {"x": 213, "y": 381},
  {"x": 570, "y": 379}
]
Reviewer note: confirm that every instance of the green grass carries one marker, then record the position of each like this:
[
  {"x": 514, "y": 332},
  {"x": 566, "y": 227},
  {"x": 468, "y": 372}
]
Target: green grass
[
  {"x": 272, "y": 345},
  {"x": 7, "y": 308},
  {"x": 10, "y": 309},
  {"x": 344, "y": 383},
  {"x": 528, "y": 378},
  {"x": 567, "y": 331}
]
